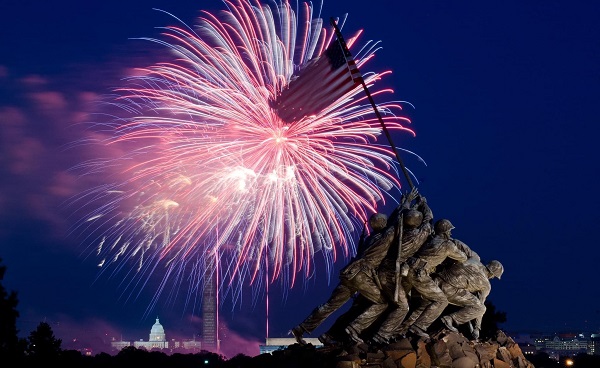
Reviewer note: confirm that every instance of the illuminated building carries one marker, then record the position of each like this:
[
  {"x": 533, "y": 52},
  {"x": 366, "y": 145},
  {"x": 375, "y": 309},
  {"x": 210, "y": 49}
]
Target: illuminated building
[
  {"x": 272, "y": 344},
  {"x": 594, "y": 345},
  {"x": 158, "y": 340},
  {"x": 562, "y": 344}
]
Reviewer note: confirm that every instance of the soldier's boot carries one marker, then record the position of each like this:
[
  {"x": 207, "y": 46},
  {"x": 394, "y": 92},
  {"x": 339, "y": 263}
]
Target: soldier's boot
[
  {"x": 353, "y": 334},
  {"x": 297, "y": 332},
  {"x": 448, "y": 322},
  {"x": 402, "y": 330},
  {"x": 380, "y": 339},
  {"x": 327, "y": 340},
  {"x": 419, "y": 332}
]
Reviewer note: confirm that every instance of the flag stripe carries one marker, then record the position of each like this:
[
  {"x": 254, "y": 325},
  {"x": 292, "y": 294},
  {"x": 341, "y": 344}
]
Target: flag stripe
[{"x": 319, "y": 84}]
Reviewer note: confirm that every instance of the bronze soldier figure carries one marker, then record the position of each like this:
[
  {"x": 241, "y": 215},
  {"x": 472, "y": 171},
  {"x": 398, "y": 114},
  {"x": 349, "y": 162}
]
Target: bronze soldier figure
[
  {"x": 435, "y": 251},
  {"x": 467, "y": 285},
  {"x": 360, "y": 275},
  {"x": 417, "y": 227}
]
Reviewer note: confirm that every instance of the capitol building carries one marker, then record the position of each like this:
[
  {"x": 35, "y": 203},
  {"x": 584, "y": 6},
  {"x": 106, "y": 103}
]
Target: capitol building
[{"x": 158, "y": 341}]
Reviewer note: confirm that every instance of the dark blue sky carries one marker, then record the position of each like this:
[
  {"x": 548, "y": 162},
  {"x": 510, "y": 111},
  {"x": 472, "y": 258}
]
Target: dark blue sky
[{"x": 505, "y": 97}]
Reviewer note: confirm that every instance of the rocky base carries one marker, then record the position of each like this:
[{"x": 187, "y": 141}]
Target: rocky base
[{"x": 444, "y": 350}]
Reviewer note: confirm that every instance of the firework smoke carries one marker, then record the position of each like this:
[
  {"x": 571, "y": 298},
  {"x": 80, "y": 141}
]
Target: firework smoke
[{"x": 213, "y": 175}]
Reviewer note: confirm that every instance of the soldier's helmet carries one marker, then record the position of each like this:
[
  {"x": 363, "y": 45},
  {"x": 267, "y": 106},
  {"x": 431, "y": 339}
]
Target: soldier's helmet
[
  {"x": 378, "y": 221},
  {"x": 495, "y": 268},
  {"x": 413, "y": 218},
  {"x": 442, "y": 226}
]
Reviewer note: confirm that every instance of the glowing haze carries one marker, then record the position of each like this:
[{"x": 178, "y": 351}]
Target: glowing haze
[{"x": 212, "y": 181}]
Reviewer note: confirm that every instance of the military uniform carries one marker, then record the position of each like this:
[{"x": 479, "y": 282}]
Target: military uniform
[
  {"x": 466, "y": 285},
  {"x": 432, "y": 254},
  {"x": 396, "y": 295},
  {"x": 359, "y": 276}
]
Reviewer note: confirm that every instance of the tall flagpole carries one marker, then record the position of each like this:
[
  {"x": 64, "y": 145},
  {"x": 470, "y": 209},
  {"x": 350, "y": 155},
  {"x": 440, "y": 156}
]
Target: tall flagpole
[
  {"x": 340, "y": 39},
  {"x": 347, "y": 54}
]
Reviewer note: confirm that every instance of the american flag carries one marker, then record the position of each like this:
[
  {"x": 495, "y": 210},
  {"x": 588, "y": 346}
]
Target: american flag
[{"x": 320, "y": 83}]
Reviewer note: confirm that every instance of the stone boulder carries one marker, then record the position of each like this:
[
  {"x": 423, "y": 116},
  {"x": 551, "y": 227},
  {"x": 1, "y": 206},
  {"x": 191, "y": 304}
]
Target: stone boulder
[{"x": 446, "y": 349}]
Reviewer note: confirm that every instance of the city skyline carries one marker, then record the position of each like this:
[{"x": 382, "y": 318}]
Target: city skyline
[
  {"x": 116, "y": 343},
  {"x": 554, "y": 340},
  {"x": 504, "y": 114}
]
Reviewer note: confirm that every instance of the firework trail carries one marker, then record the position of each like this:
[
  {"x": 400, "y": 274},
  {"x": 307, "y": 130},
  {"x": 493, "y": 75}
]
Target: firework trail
[{"x": 214, "y": 175}]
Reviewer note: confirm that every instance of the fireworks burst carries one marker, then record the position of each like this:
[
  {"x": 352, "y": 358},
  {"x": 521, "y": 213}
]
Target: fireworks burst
[{"x": 215, "y": 177}]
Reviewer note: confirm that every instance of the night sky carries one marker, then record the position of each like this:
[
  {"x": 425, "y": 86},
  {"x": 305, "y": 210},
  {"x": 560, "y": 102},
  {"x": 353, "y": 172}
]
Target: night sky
[{"x": 505, "y": 98}]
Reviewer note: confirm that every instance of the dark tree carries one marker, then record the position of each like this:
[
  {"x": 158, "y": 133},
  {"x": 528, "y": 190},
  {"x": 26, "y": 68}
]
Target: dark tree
[
  {"x": 10, "y": 344},
  {"x": 137, "y": 357},
  {"x": 491, "y": 321},
  {"x": 240, "y": 360},
  {"x": 42, "y": 343},
  {"x": 74, "y": 358}
]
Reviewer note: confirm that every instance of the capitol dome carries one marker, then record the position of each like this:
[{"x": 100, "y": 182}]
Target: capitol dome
[{"x": 157, "y": 333}]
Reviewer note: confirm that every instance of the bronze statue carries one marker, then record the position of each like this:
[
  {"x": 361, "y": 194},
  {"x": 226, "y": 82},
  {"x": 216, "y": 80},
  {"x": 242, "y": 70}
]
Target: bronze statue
[
  {"x": 467, "y": 285},
  {"x": 417, "y": 227},
  {"x": 406, "y": 257},
  {"x": 360, "y": 276},
  {"x": 435, "y": 251}
]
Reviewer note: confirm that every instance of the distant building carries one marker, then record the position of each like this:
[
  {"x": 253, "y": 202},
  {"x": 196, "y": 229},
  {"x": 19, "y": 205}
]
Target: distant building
[
  {"x": 273, "y": 344},
  {"x": 528, "y": 349},
  {"x": 540, "y": 341},
  {"x": 120, "y": 345},
  {"x": 564, "y": 344},
  {"x": 594, "y": 345},
  {"x": 158, "y": 340},
  {"x": 567, "y": 344}
]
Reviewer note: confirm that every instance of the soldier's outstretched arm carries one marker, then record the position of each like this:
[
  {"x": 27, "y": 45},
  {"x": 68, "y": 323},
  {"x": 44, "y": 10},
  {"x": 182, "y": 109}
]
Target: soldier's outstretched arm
[
  {"x": 455, "y": 253},
  {"x": 468, "y": 251},
  {"x": 414, "y": 192},
  {"x": 484, "y": 292},
  {"x": 405, "y": 203},
  {"x": 425, "y": 209}
]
